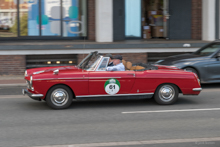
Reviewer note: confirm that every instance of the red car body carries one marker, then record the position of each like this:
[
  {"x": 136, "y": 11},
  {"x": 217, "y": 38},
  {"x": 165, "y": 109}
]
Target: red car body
[{"x": 85, "y": 84}]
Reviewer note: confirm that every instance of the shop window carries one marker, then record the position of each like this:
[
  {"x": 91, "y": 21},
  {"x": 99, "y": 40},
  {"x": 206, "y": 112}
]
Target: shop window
[
  {"x": 8, "y": 16},
  {"x": 73, "y": 18},
  {"x": 133, "y": 18},
  {"x": 29, "y": 17},
  {"x": 50, "y": 17},
  {"x": 154, "y": 24}
]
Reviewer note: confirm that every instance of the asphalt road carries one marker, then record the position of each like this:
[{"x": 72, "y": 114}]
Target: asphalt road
[{"x": 191, "y": 122}]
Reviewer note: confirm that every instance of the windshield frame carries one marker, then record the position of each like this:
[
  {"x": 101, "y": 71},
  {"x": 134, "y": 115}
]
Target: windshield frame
[
  {"x": 94, "y": 66},
  {"x": 86, "y": 60},
  {"x": 100, "y": 63}
]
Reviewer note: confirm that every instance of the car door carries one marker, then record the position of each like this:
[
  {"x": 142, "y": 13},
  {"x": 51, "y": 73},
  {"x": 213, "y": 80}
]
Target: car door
[
  {"x": 213, "y": 69},
  {"x": 110, "y": 83},
  {"x": 144, "y": 84},
  {"x": 78, "y": 81}
]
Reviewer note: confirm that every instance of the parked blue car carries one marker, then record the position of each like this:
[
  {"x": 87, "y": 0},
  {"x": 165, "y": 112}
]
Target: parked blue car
[{"x": 205, "y": 62}]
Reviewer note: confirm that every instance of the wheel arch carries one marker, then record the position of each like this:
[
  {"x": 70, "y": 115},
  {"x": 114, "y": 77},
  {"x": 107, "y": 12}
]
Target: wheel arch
[
  {"x": 194, "y": 69},
  {"x": 74, "y": 96},
  {"x": 180, "y": 91}
]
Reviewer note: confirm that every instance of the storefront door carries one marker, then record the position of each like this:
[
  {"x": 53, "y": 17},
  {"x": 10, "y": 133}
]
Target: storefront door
[
  {"x": 119, "y": 20},
  {"x": 170, "y": 19},
  {"x": 180, "y": 19}
]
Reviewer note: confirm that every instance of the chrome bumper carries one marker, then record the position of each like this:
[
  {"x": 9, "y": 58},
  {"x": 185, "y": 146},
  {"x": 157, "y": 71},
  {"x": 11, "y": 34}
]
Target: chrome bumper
[
  {"x": 197, "y": 89},
  {"x": 31, "y": 95}
]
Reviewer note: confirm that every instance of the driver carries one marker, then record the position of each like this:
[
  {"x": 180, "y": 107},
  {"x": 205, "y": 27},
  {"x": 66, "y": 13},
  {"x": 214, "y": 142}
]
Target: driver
[
  {"x": 110, "y": 62},
  {"x": 118, "y": 65}
]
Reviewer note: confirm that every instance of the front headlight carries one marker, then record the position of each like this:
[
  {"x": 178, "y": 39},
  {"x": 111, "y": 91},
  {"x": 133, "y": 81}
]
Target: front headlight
[
  {"x": 25, "y": 73},
  {"x": 31, "y": 78},
  {"x": 31, "y": 83}
]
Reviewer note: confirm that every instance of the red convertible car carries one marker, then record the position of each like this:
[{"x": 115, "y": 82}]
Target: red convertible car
[{"x": 58, "y": 86}]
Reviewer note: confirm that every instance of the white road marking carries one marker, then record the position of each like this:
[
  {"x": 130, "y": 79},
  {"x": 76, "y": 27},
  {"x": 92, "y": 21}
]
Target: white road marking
[
  {"x": 163, "y": 111},
  {"x": 13, "y": 96},
  {"x": 210, "y": 90},
  {"x": 195, "y": 141},
  {"x": 12, "y": 85}
]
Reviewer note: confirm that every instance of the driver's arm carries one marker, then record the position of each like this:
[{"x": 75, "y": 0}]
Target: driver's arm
[{"x": 112, "y": 68}]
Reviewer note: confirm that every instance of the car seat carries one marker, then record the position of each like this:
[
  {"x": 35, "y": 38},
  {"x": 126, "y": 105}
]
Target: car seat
[{"x": 128, "y": 66}]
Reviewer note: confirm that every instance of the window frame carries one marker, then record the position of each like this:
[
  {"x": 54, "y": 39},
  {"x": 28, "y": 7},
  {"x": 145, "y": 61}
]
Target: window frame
[{"x": 40, "y": 37}]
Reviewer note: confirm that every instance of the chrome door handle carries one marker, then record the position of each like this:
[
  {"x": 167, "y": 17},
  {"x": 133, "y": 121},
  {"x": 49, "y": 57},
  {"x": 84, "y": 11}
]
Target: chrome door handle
[{"x": 131, "y": 74}]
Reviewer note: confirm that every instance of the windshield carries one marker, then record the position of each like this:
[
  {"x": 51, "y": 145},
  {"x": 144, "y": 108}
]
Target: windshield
[
  {"x": 84, "y": 61},
  {"x": 208, "y": 50},
  {"x": 93, "y": 63},
  {"x": 90, "y": 61}
]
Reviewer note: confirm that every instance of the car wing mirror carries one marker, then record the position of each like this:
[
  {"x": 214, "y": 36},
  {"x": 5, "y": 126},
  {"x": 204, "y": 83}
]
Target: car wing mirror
[{"x": 218, "y": 55}]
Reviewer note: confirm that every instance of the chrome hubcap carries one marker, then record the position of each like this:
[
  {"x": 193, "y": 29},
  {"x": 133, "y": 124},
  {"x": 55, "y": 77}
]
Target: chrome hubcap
[
  {"x": 166, "y": 93},
  {"x": 59, "y": 97}
]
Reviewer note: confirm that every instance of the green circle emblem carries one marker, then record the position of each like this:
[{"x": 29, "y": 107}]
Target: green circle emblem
[{"x": 112, "y": 86}]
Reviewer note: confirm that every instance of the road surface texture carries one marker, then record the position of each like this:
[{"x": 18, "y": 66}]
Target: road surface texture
[{"x": 194, "y": 121}]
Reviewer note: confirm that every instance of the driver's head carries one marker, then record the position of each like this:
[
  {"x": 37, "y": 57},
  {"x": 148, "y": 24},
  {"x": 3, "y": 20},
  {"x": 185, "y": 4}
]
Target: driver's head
[
  {"x": 117, "y": 59},
  {"x": 110, "y": 57}
]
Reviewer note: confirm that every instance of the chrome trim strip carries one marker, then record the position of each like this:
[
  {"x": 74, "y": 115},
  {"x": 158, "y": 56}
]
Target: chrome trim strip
[
  {"x": 100, "y": 61},
  {"x": 76, "y": 78},
  {"x": 37, "y": 95},
  {"x": 197, "y": 89},
  {"x": 59, "y": 79},
  {"x": 38, "y": 72},
  {"x": 104, "y": 77},
  {"x": 115, "y": 95}
]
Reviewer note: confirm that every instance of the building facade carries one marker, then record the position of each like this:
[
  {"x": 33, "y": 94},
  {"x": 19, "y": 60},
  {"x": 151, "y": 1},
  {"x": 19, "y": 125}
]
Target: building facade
[{"x": 104, "y": 25}]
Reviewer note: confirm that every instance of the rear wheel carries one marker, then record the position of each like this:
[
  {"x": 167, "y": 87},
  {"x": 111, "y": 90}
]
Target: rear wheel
[
  {"x": 59, "y": 97},
  {"x": 166, "y": 94}
]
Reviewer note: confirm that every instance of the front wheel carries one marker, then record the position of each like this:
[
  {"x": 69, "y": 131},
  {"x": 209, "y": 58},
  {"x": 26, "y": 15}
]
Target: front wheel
[
  {"x": 166, "y": 94},
  {"x": 59, "y": 97},
  {"x": 191, "y": 70}
]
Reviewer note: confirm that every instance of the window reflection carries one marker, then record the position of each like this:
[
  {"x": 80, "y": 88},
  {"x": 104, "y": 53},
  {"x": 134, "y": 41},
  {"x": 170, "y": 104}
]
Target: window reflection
[
  {"x": 74, "y": 14},
  {"x": 8, "y": 18},
  {"x": 28, "y": 17},
  {"x": 133, "y": 18},
  {"x": 50, "y": 17},
  {"x": 75, "y": 18}
]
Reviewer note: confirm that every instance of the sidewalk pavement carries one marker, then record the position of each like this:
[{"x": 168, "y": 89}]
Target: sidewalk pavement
[{"x": 12, "y": 80}]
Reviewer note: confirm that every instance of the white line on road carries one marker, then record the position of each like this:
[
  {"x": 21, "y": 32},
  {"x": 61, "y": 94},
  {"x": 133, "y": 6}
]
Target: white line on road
[
  {"x": 13, "y": 85},
  {"x": 13, "y": 96},
  {"x": 196, "y": 141},
  {"x": 181, "y": 110},
  {"x": 210, "y": 90}
]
